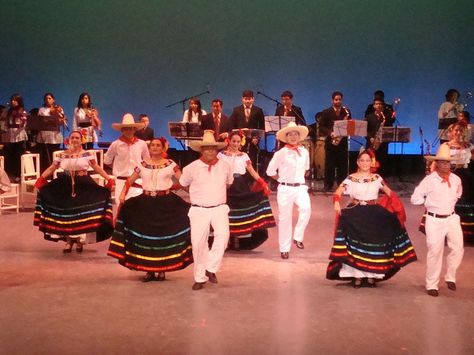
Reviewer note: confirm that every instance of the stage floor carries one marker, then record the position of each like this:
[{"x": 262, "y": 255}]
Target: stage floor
[{"x": 55, "y": 303}]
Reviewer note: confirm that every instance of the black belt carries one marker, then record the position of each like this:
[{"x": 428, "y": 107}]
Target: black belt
[
  {"x": 84, "y": 124},
  {"x": 291, "y": 183},
  {"x": 193, "y": 205},
  {"x": 439, "y": 215}
]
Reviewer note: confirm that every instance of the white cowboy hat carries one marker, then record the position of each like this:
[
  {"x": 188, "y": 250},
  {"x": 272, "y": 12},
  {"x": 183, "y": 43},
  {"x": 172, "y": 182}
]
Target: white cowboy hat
[
  {"x": 127, "y": 121},
  {"x": 443, "y": 153},
  {"x": 292, "y": 127},
  {"x": 208, "y": 140}
]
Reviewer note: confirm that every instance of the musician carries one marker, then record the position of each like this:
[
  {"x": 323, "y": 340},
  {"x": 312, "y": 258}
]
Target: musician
[
  {"x": 336, "y": 155},
  {"x": 146, "y": 133},
  {"x": 447, "y": 113},
  {"x": 86, "y": 120},
  {"x": 194, "y": 113},
  {"x": 217, "y": 121},
  {"x": 375, "y": 122},
  {"x": 247, "y": 115},
  {"x": 386, "y": 108},
  {"x": 288, "y": 109},
  {"x": 49, "y": 141},
  {"x": 14, "y": 136}
]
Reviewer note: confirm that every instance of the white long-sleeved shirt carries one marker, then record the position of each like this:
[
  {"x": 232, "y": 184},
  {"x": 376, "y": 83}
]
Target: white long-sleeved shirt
[
  {"x": 126, "y": 156},
  {"x": 207, "y": 184},
  {"x": 289, "y": 165},
  {"x": 437, "y": 196}
]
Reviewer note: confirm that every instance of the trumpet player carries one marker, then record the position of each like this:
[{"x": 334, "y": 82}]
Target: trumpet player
[
  {"x": 86, "y": 120},
  {"x": 50, "y": 138},
  {"x": 336, "y": 146}
]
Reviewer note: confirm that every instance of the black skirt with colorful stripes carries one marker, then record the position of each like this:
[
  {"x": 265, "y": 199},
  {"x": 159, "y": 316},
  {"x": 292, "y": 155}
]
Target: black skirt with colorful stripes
[
  {"x": 371, "y": 239},
  {"x": 250, "y": 213},
  {"x": 153, "y": 234},
  {"x": 59, "y": 214}
]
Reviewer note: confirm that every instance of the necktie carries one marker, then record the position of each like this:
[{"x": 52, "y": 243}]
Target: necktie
[{"x": 247, "y": 113}]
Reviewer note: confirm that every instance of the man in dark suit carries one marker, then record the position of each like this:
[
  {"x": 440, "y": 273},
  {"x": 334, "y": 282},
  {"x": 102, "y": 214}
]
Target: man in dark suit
[
  {"x": 247, "y": 115},
  {"x": 288, "y": 109},
  {"x": 377, "y": 114},
  {"x": 147, "y": 133},
  {"x": 217, "y": 121},
  {"x": 336, "y": 147},
  {"x": 386, "y": 108}
]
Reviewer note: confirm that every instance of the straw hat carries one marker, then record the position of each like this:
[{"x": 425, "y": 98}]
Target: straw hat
[
  {"x": 292, "y": 127},
  {"x": 208, "y": 140},
  {"x": 443, "y": 153},
  {"x": 127, "y": 121}
]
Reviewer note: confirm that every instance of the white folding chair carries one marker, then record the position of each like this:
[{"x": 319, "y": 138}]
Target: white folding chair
[
  {"x": 30, "y": 172},
  {"x": 9, "y": 200}
]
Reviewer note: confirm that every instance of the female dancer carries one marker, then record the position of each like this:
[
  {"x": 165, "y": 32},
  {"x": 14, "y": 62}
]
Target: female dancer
[
  {"x": 152, "y": 231},
  {"x": 370, "y": 242},
  {"x": 14, "y": 137},
  {"x": 463, "y": 152},
  {"x": 86, "y": 120},
  {"x": 194, "y": 113},
  {"x": 49, "y": 141},
  {"x": 73, "y": 207},
  {"x": 250, "y": 213}
]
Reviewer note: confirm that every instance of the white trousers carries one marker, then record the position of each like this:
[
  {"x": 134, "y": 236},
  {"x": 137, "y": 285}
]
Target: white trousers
[
  {"x": 201, "y": 219},
  {"x": 436, "y": 231},
  {"x": 132, "y": 192},
  {"x": 287, "y": 196}
]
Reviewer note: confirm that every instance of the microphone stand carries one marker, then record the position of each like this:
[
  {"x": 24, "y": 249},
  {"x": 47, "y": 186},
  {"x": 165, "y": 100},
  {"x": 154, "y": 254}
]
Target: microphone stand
[
  {"x": 278, "y": 103},
  {"x": 183, "y": 101}
]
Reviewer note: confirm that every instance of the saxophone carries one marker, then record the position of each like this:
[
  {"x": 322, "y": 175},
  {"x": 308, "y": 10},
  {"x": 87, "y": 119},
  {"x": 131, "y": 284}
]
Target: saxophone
[{"x": 337, "y": 139}]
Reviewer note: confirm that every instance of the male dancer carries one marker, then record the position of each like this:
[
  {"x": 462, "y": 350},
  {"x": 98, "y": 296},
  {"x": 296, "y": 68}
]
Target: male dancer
[
  {"x": 289, "y": 166},
  {"x": 126, "y": 153},
  {"x": 439, "y": 192},
  {"x": 208, "y": 179}
]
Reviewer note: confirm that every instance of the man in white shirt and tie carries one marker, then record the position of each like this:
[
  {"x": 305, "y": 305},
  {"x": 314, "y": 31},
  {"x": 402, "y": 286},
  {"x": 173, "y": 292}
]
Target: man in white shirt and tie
[
  {"x": 439, "y": 192},
  {"x": 289, "y": 166}
]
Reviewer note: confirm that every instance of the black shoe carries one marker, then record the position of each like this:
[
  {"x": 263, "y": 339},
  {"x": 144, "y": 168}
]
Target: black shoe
[
  {"x": 150, "y": 276},
  {"x": 451, "y": 285},
  {"x": 212, "y": 277},
  {"x": 298, "y": 244},
  {"x": 161, "y": 276},
  {"x": 371, "y": 283},
  {"x": 285, "y": 255},
  {"x": 357, "y": 283},
  {"x": 68, "y": 248},
  {"x": 433, "y": 293},
  {"x": 198, "y": 285}
]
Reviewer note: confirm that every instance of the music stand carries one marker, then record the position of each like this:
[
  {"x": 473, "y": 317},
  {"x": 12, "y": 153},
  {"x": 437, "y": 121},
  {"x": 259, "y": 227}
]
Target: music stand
[
  {"x": 42, "y": 123},
  {"x": 348, "y": 128},
  {"x": 396, "y": 135},
  {"x": 251, "y": 132},
  {"x": 184, "y": 131},
  {"x": 274, "y": 123}
]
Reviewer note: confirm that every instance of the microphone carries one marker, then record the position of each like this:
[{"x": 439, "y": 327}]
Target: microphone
[
  {"x": 426, "y": 142},
  {"x": 420, "y": 130},
  {"x": 259, "y": 93}
]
